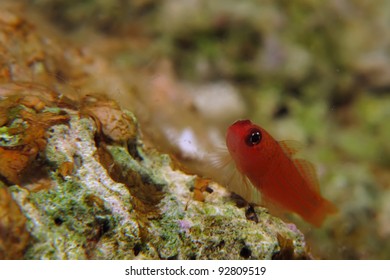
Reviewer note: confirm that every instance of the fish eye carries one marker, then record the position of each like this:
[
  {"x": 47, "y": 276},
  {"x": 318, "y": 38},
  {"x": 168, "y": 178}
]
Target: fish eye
[{"x": 253, "y": 138}]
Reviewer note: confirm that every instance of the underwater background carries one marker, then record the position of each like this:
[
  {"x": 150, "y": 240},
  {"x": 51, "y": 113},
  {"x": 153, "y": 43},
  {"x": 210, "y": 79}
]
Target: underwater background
[{"x": 307, "y": 70}]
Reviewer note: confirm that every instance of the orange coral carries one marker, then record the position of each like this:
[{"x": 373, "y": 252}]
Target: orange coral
[
  {"x": 24, "y": 123},
  {"x": 12, "y": 163},
  {"x": 66, "y": 168},
  {"x": 200, "y": 186},
  {"x": 110, "y": 120}
]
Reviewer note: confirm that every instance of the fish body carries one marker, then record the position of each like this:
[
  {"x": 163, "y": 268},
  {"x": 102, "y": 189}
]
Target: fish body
[{"x": 271, "y": 168}]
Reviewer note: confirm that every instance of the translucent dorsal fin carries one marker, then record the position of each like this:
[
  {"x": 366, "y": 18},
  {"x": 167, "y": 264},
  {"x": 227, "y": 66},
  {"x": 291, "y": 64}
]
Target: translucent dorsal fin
[
  {"x": 290, "y": 147},
  {"x": 308, "y": 172}
]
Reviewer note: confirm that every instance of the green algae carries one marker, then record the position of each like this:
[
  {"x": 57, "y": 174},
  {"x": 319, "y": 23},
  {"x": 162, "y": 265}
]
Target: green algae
[
  {"x": 68, "y": 220},
  {"x": 8, "y": 139},
  {"x": 12, "y": 134}
]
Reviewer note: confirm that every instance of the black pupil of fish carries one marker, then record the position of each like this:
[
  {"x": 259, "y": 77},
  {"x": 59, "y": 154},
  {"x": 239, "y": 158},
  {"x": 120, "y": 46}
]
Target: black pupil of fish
[{"x": 253, "y": 138}]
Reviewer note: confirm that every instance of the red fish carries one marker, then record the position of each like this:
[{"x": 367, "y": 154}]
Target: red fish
[{"x": 289, "y": 183}]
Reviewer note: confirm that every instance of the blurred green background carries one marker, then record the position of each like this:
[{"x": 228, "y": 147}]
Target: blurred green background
[{"x": 316, "y": 71}]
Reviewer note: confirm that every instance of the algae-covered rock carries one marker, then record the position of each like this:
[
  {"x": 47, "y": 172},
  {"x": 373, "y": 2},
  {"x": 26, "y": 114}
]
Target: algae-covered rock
[{"x": 145, "y": 210}]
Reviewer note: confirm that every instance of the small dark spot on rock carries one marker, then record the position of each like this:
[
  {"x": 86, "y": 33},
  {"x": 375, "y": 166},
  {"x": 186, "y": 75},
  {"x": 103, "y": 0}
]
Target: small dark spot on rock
[
  {"x": 133, "y": 151},
  {"x": 240, "y": 202},
  {"x": 251, "y": 215},
  {"x": 137, "y": 249},
  {"x": 192, "y": 256},
  {"x": 175, "y": 257},
  {"x": 221, "y": 244},
  {"x": 209, "y": 190},
  {"x": 276, "y": 255},
  {"x": 62, "y": 112},
  {"x": 245, "y": 252},
  {"x": 104, "y": 225},
  {"x": 58, "y": 221}
]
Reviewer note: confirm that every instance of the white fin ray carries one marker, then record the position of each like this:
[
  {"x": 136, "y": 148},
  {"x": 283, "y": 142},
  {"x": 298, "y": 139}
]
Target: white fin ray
[{"x": 232, "y": 178}]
